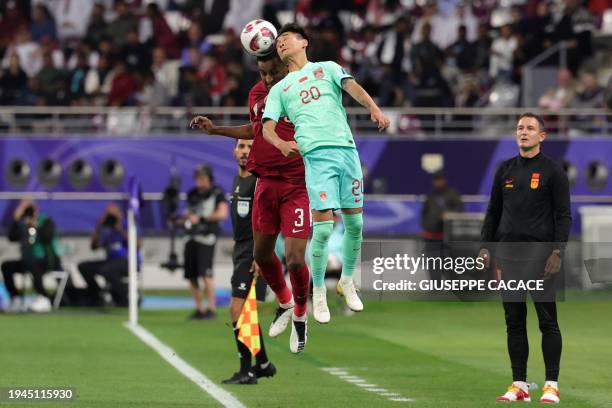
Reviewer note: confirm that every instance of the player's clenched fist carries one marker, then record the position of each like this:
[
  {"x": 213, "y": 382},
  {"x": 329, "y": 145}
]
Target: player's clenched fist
[
  {"x": 202, "y": 123},
  {"x": 380, "y": 119}
]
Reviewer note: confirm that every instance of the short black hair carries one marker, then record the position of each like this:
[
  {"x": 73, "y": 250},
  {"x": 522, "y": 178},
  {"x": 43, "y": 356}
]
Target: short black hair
[
  {"x": 270, "y": 56},
  {"x": 293, "y": 28},
  {"x": 536, "y": 117}
]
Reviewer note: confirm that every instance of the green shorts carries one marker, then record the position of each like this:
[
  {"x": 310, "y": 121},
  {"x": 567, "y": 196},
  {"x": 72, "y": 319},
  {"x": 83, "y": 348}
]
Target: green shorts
[{"x": 334, "y": 178}]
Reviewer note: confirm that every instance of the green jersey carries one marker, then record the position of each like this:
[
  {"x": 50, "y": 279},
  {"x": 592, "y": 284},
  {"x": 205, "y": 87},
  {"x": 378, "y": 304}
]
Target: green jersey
[{"x": 312, "y": 100}]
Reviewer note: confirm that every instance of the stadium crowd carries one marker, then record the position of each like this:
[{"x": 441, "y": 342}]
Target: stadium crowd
[{"x": 188, "y": 52}]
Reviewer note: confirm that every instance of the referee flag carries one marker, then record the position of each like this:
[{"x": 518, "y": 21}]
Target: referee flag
[{"x": 248, "y": 322}]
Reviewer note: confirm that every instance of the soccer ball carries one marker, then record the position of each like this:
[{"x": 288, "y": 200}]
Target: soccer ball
[{"x": 257, "y": 37}]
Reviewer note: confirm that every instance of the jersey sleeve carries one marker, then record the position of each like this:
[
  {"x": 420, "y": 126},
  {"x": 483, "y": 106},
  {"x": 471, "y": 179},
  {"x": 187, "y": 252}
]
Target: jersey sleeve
[
  {"x": 274, "y": 105},
  {"x": 338, "y": 74}
]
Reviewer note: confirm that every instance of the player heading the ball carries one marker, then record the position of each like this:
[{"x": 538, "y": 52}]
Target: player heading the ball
[{"x": 311, "y": 97}]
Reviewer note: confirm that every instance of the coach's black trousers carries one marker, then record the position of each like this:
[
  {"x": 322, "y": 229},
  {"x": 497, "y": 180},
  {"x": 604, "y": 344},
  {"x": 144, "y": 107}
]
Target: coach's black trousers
[{"x": 518, "y": 345}]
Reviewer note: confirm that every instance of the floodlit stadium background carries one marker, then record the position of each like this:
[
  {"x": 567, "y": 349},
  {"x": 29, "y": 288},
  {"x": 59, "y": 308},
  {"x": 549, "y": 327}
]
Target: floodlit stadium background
[{"x": 94, "y": 94}]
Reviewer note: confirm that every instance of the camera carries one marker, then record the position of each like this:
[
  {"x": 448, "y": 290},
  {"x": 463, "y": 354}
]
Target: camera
[
  {"x": 28, "y": 212},
  {"x": 110, "y": 220}
]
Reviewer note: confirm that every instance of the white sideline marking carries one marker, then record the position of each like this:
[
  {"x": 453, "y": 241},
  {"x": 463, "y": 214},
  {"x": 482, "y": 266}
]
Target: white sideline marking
[
  {"x": 168, "y": 354},
  {"x": 364, "y": 385}
]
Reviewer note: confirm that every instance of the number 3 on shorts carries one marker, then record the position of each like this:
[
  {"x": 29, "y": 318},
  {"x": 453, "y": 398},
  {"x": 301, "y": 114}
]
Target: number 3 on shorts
[{"x": 299, "y": 222}]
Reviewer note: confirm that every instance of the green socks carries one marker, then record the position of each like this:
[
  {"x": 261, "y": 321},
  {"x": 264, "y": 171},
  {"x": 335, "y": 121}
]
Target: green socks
[
  {"x": 321, "y": 231},
  {"x": 351, "y": 242}
]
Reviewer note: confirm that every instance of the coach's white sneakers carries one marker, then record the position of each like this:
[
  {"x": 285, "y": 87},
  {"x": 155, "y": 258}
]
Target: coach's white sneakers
[
  {"x": 299, "y": 334},
  {"x": 516, "y": 392},
  {"x": 550, "y": 394},
  {"x": 281, "y": 320},
  {"x": 319, "y": 304},
  {"x": 346, "y": 288}
]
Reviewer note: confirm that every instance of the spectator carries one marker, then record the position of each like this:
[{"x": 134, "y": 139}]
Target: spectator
[
  {"x": 123, "y": 86},
  {"x": 12, "y": 22},
  {"x": 461, "y": 53},
  {"x": 97, "y": 27},
  {"x": 152, "y": 93},
  {"x": 163, "y": 36},
  {"x": 125, "y": 22},
  {"x": 482, "y": 48},
  {"x": 431, "y": 88},
  {"x": 439, "y": 27},
  {"x": 28, "y": 52},
  {"x": 539, "y": 28},
  {"x": 76, "y": 81},
  {"x": 231, "y": 50},
  {"x": 562, "y": 96},
  {"x": 111, "y": 236},
  {"x": 39, "y": 254},
  {"x": 468, "y": 96},
  {"x": 13, "y": 83},
  {"x": 575, "y": 26},
  {"x": 393, "y": 52},
  {"x": 166, "y": 72},
  {"x": 361, "y": 53},
  {"x": 99, "y": 80},
  {"x": 136, "y": 55},
  {"x": 209, "y": 14},
  {"x": 214, "y": 74},
  {"x": 48, "y": 85},
  {"x": 43, "y": 24},
  {"x": 195, "y": 42},
  {"x": 463, "y": 16},
  {"x": 71, "y": 18},
  {"x": 241, "y": 12},
  {"x": 502, "y": 51},
  {"x": 590, "y": 96}
]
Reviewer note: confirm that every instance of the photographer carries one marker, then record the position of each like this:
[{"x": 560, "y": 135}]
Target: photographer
[
  {"x": 206, "y": 206},
  {"x": 111, "y": 236},
  {"x": 39, "y": 254}
]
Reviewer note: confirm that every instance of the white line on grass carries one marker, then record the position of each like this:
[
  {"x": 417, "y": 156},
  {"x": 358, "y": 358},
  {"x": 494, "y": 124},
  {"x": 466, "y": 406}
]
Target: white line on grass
[
  {"x": 343, "y": 374},
  {"x": 218, "y": 393}
]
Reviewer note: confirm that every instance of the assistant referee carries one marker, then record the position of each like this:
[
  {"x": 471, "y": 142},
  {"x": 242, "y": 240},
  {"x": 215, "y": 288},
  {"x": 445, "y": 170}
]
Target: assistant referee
[
  {"x": 243, "y": 192},
  {"x": 529, "y": 219}
]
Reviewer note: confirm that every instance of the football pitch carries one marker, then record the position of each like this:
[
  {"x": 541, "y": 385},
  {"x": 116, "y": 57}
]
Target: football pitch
[{"x": 415, "y": 354}]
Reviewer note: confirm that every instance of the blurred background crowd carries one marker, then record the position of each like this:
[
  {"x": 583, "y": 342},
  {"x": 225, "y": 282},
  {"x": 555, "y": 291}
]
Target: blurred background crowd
[{"x": 446, "y": 53}]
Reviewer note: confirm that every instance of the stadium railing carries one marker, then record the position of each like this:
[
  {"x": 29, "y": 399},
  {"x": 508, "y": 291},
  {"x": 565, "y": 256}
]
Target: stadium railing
[{"x": 406, "y": 122}]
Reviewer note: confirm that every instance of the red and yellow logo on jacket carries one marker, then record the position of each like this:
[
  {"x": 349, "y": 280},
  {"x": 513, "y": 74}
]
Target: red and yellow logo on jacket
[{"x": 535, "y": 180}]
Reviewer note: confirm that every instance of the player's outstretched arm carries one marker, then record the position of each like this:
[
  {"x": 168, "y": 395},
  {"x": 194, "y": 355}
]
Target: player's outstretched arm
[
  {"x": 360, "y": 95},
  {"x": 236, "y": 132},
  {"x": 288, "y": 149}
]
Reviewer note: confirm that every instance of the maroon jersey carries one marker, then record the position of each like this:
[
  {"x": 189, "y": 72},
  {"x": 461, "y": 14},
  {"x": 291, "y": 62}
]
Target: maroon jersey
[{"x": 266, "y": 160}]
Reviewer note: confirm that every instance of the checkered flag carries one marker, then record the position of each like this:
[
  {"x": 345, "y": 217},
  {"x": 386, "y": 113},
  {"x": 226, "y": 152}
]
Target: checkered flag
[{"x": 248, "y": 322}]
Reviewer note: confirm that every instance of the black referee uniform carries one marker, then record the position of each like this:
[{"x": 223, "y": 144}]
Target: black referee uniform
[
  {"x": 528, "y": 219},
  {"x": 243, "y": 193}
]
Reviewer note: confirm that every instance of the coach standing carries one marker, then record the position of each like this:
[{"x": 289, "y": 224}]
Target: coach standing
[{"x": 529, "y": 204}]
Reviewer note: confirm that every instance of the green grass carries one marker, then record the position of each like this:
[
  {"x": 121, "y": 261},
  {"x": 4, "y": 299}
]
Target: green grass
[{"x": 439, "y": 354}]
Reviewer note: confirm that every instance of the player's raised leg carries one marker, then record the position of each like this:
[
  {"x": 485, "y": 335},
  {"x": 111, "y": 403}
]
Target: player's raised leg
[{"x": 351, "y": 201}]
